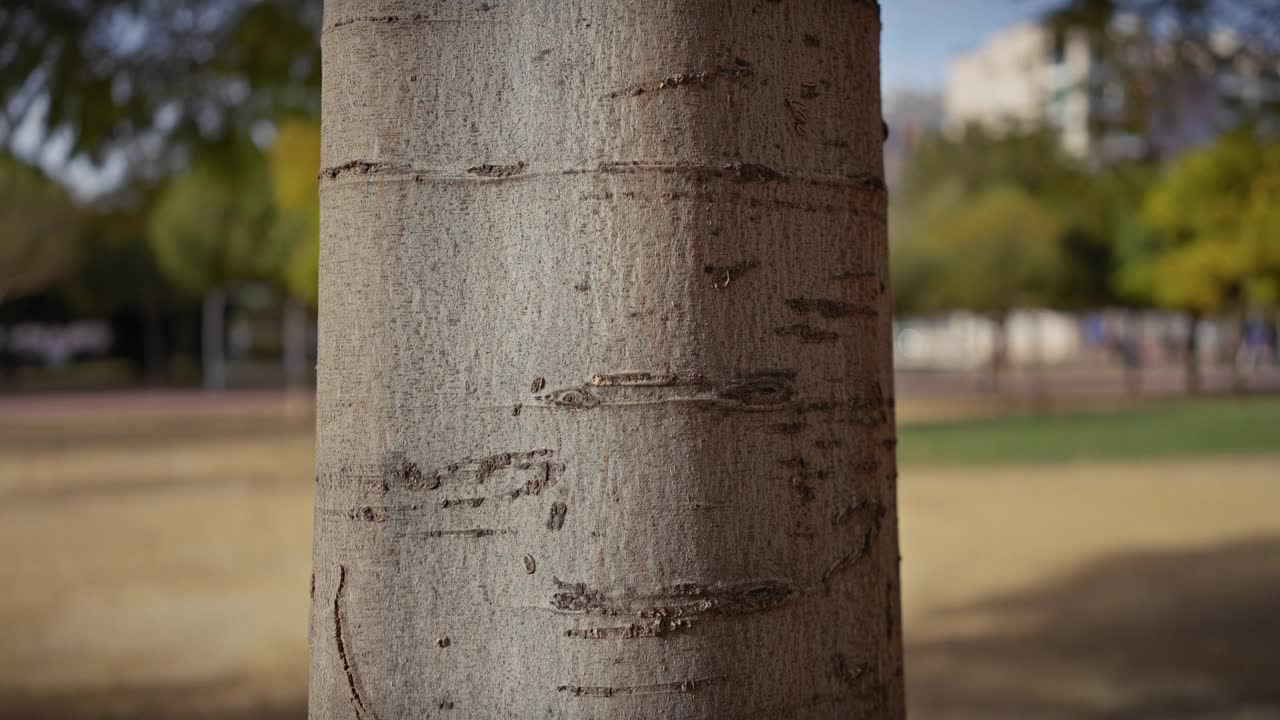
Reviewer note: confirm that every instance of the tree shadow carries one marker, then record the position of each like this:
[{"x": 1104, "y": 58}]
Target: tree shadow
[
  {"x": 196, "y": 701},
  {"x": 1179, "y": 635}
]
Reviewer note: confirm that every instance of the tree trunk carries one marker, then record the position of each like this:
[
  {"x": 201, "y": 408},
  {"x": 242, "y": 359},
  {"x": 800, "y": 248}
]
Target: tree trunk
[
  {"x": 6, "y": 357},
  {"x": 213, "y": 358},
  {"x": 1275, "y": 336},
  {"x": 1192, "y": 358},
  {"x": 1235, "y": 350},
  {"x": 1132, "y": 354},
  {"x": 294, "y": 332},
  {"x": 605, "y": 412},
  {"x": 153, "y": 345},
  {"x": 999, "y": 349},
  {"x": 1039, "y": 364}
]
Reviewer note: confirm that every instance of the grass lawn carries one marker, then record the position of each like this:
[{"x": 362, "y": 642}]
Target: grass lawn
[{"x": 1220, "y": 426}]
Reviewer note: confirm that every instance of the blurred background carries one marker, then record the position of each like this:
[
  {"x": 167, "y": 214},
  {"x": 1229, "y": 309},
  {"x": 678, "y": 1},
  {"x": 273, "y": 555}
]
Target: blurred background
[{"x": 1085, "y": 240}]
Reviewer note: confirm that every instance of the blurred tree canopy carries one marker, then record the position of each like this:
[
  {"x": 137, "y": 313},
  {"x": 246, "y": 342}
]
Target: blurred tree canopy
[
  {"x": 997, "y": 251},
  {"x": 212, "y": 225},
  {"x": 40, "y": 230},
  {"x": 1215, "y": 221},
  {"x": 989, "y": 222},
  {"x": 173, "y": 72},
  {"x": 294, "y": 159},
  {"x": 979, "y": 158},
  {"x": 185, "y": 88}
]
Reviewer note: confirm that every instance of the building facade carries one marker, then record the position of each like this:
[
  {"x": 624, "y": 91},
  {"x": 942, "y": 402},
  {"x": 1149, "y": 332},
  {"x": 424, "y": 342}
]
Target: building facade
[{"x": 1032, "y": 76}]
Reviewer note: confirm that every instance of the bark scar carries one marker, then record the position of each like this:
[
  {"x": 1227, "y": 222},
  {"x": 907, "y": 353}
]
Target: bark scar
[
  {"x": 492, "y": 170},
  {"x": 353, "y": 680},
  {"x": 669, "y": 609},
  {"x": 830, "y": 309},
  {"x": 876, "y": 512},
  {"x": 605, "y": 691}
]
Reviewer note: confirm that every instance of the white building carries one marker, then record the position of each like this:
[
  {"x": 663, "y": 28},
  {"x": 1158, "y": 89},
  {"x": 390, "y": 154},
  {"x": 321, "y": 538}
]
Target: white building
[
  {"x": 1023, "y": 77},
  {"x": 1029, "y": 76}
]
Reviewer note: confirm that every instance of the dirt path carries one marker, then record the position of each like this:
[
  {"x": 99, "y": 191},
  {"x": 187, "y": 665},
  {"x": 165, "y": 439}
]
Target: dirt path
[
  {"x": 157, "y": 563},
  {"x": 1146, "y": 590}
]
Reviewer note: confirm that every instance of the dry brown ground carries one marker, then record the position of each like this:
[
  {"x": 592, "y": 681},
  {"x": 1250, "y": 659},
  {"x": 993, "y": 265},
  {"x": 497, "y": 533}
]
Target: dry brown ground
[
  {"x": 157, "y": 559},
  {"x": 1146, "y": 590}
]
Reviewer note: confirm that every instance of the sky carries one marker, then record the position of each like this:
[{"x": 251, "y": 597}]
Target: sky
[{"x": 920, "y": 35}]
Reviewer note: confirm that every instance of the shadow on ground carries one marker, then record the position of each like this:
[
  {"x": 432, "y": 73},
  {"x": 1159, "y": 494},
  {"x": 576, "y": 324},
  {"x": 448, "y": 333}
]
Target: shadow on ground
[
  {"x": 1136, "y": 636},
  {"x": 1176, "y": 635},
  {"x": 210, "y": 701}
]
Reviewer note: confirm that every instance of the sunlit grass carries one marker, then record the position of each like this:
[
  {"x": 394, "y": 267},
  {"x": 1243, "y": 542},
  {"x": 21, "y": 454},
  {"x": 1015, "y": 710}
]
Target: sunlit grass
[{"x": 1237, "y": 425}]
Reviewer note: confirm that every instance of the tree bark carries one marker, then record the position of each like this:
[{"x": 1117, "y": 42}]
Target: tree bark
[{"x": 605, "y": 400}]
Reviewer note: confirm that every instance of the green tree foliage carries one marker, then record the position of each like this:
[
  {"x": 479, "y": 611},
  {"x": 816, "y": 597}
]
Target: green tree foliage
[
  {"x": 112, "y": 71},
  {"x": 294, "y": 162},
  {"x": 1216, "y": 221},
  {"x": 1104, "y": 221},
  {"x": 991, "y": 253},
  {"x": 39, "y": 230},
  {"x": 979, "y": 159},
  {"x": 213, "y": 225},
  {"x": 956, "y": 240}
]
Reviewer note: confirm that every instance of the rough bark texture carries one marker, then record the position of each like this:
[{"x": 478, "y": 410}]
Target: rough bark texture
[{"x": 605, "y": 400}]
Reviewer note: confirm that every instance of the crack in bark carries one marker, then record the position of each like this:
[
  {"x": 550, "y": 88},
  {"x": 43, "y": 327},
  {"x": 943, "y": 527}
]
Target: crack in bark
[
  {"x": 830, "y": 309},
  {"x": 631, "y": 631},
  {"x": 767, "y": 391},
  {"x": 478, "y": 470},
  {"x": 807, "y": 334},
  {"x": 722, "y": 275},
  {"x": 417, "y": 19},
  {"x": 368, "y": 514},
  {"x": 767, "y": 387},
  {"x": 844, "y": 673},
  {"x": 497, "y": 171},
  {"x": 752, "y": 172},
  {"x": 799, "y": 115},
  {"x": 856, "y": 275},
  {"x": 363, "y": 167},
  {"x": 739, "y": 68},
  {"x": 667, "y": 610},
  {"x": 738, "y": 170},
  {"x": 634, "y": 379},
  {"x": 607, "y": 691},
  {"x": 558, "y": 512},
  {"x": 353, "y": 680},
  {"x": 869, "y": 536},
  {"x": 762, "y": 388},
  {"x": 468, "y": 532}
]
